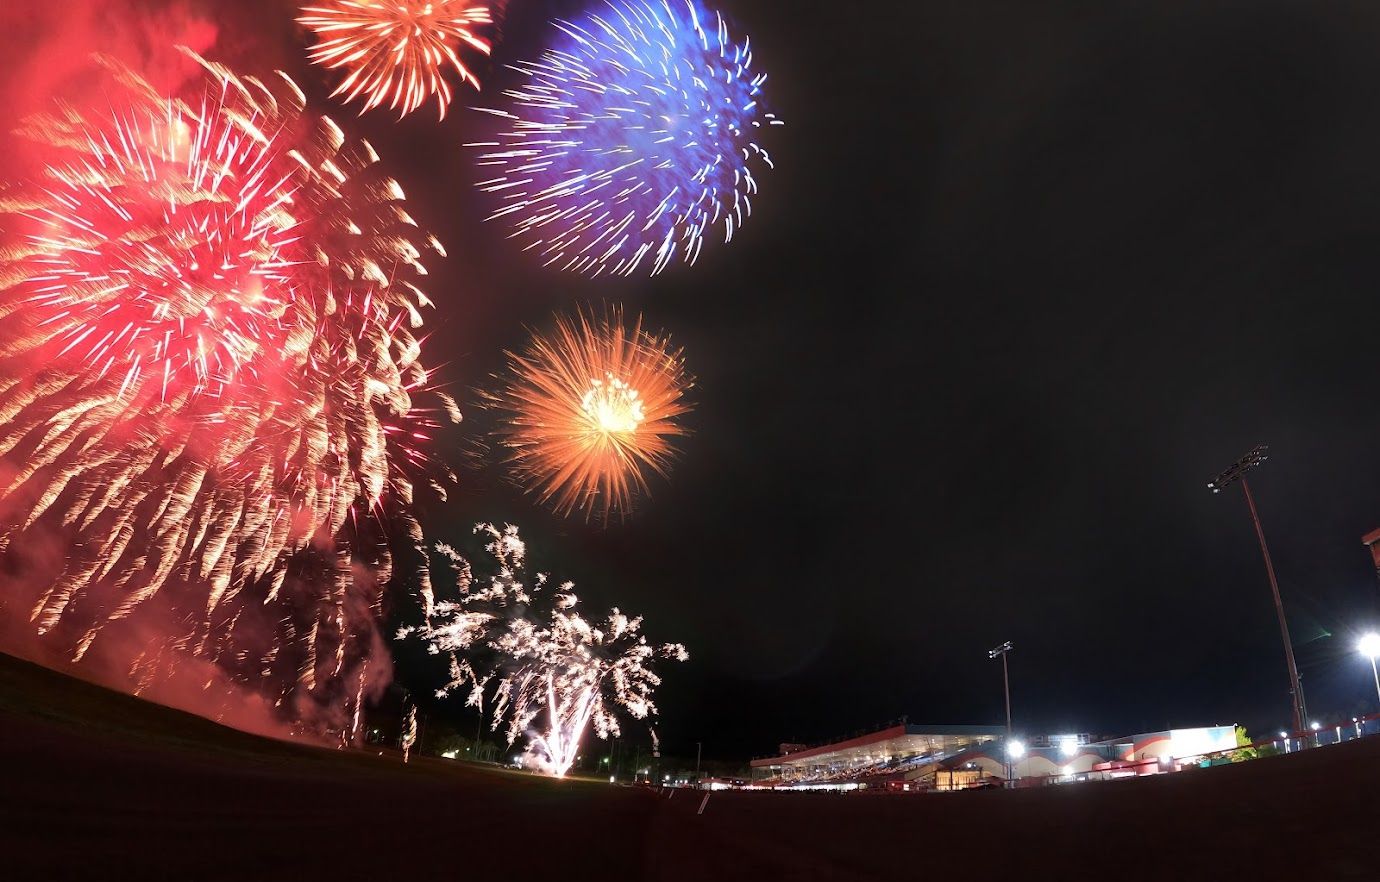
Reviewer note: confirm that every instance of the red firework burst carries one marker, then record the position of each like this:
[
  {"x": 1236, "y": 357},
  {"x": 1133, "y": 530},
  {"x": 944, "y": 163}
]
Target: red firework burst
[
  {"x": 167, "y": 247},
  {"x": 210, "y": 388}
]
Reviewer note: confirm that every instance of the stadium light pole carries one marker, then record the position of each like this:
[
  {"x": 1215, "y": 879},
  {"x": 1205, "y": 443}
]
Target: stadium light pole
[
  {"x": 1006, "y": 683},
  {"x": 1231, "y": 475}
]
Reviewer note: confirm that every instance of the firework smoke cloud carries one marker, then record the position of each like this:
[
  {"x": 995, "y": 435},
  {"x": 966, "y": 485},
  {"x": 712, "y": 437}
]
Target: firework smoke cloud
[
  {"x": 634, "y": 138},
  {"x": 547, "y": 676},
  {"x": 211, "y": 394}
]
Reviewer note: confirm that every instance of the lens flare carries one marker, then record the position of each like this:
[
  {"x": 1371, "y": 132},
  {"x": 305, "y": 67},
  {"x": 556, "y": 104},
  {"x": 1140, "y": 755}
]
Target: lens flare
[
  {"x": 547, "y": 675},
  {"x": 211, "y": 395},
  {"x": 588, "y": 410},
  {"x": 396, "y": 51},
  {"x": 633, "y": 137}
]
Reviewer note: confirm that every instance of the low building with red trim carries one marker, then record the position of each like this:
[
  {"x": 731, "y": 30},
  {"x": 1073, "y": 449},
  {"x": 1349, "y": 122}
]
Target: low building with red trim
[{"x": 927, "y": 757}]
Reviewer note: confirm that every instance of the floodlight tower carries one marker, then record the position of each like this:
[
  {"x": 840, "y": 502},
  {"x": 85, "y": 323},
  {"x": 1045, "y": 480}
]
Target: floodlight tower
[
  {"x": 1006, "y": 682},
  {"x": 1236, "y": 472}
]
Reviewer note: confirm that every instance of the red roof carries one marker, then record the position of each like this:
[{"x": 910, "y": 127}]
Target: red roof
[{"x": 860, "y": 741}]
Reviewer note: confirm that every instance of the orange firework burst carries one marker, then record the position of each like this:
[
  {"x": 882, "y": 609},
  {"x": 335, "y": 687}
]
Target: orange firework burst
[
  {"x": 396, "y": 51},
  {"x": 589, "y": 409}
]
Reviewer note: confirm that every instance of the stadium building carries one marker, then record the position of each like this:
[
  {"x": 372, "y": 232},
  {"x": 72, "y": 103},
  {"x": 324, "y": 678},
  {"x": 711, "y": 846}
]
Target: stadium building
[{"x": 917, "y": 757}]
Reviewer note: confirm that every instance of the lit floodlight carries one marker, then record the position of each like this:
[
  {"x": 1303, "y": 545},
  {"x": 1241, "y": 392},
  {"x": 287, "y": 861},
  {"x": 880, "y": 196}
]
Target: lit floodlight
[
  {"x": 1370, "y": 645},
  {"x": 1068, "y": 771},
  {"x": 1316, "y": 725},
  {"x": 1068, "y": 747},
  {"x": 1015, "y": 750},
  {"x": 1237, "y": 470}
]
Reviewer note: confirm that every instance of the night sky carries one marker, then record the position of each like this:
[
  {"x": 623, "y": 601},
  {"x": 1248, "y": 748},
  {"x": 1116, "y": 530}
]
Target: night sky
[{"x": 1027, "y": 276}]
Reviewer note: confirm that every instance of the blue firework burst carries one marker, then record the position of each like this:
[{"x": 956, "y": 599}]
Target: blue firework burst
[{"x": 633, "y": 139}]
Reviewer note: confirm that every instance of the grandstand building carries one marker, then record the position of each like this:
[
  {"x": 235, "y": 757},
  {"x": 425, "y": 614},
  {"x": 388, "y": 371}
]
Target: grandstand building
[
  {"x": 903, "y": 749},
  {"x": 913, "y": 757}
]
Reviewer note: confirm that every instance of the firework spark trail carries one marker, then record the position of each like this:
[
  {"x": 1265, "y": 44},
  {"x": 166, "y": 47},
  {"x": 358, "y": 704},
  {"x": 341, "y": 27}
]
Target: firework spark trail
[
  {"x": 409, "y": 732},
  {"x": 587, "y": 410},
  {"x": 635, "y": 134},
  {"x": 186, "y": 276},
  {"x": 396, "y": 51},
  {"x": 209, "y": 385},
  {"x": 554, "y": 674}
]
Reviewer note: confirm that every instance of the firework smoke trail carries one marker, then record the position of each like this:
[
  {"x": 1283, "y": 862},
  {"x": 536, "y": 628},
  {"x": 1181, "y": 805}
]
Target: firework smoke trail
[
  {"x": 553, "y": 675},
  {"x": 396, "y": 51},
  {"x": 635, "y": 134},
  {"x": 587, "y": 410},
  {"x": 207, "y": 378}
]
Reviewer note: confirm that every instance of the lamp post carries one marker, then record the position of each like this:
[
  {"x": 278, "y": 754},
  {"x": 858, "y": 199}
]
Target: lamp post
[
  {"x": 1014, "y": 751},
  {"x": 1006, "y": 683},
  {"x": 1370, "y": 648},
  {"x": 1234, "y": 473}
]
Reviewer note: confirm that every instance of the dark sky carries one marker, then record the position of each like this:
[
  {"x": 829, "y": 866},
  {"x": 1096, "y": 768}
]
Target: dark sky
[{"x": 1028, "y": 275}]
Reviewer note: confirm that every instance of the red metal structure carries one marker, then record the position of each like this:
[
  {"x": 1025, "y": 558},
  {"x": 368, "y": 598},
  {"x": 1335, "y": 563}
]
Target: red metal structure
[{"x": 1372, "y": 541}]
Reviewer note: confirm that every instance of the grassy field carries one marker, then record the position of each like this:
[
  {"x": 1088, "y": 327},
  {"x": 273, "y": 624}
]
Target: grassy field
[{"x": 98, "y": 785}]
